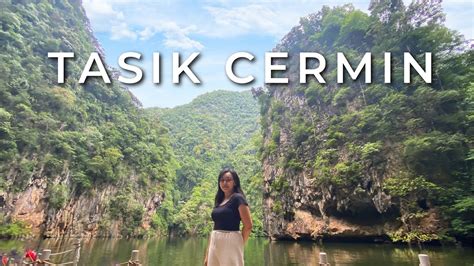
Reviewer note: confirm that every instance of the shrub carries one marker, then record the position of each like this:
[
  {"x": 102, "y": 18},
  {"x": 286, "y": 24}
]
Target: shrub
[
  {"x": 12, "y": 229},
  {"x": 57, "y": 196}
]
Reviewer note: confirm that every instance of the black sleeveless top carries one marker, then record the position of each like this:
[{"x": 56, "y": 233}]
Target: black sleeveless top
[{"x": 227, "y": 217}]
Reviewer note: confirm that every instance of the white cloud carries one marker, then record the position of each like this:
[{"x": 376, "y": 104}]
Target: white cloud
[
  {"x": 181, "y": 41},
  {"x": 225, "y": 18},
  {"x": 105, "y": 18},
  {"x": 96, "y": 9},
  {"x": 175, "y": 37},
  {"x": 147, "y": 33},
  {"x": 121, "y": 31},
  {"x": 277, "y": 17},
  {"x": 102, "y": 14},
  {"x": 266, "y": 18},
  {"x": 244, "y": 19},
  {"x": 109, "y": 16},
  {"x": 162, "y": 25}
]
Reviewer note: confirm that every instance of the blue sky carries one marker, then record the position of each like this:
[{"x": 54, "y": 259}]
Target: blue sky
[{"x": 216, "y": 29}]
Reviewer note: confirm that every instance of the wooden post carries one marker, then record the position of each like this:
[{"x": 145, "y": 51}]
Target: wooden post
[
  {"x": 134, "y": 260},
  {"x": 424, "y": 260},
  {"x": 45, "y": 254},
  {"x": 323, "y": 259},
  {"x": 77, "y": 256},
  {"x": 43, "y": 257}
]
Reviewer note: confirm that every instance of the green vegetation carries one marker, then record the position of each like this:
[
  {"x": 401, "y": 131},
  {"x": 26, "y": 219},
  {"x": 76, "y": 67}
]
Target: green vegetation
[
  {"x": 415, "y": 137},
  {"x": 126, "y": 209},
  {"x": 412, "y": 142},
  {"x": 462, "y": 216},
  {"x": 412, "y": 237},
  {"x": 82, "y": 139},
  {"x": 218, "y": 129},
  {"x": 79, "y": 138},
  {"x": 58, "y": 195},
  {"x": 14, "y": 229}
]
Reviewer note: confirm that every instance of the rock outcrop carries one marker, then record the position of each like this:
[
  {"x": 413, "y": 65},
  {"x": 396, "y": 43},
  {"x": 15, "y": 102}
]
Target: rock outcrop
[
  {"x": 356, "y": 160},
  {"x": 75, "y": 159}
]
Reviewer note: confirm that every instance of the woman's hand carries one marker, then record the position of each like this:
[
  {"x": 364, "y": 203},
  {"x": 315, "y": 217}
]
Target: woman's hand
[{"x": 207, "y": 251}]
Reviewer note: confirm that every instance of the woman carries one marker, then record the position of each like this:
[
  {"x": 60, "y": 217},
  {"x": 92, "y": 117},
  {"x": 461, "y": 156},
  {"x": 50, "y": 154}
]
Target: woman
[{"x": 226, "y": 243}]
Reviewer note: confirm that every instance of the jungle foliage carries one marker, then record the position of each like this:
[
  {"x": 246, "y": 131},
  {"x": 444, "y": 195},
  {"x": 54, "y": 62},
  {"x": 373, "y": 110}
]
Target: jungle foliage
[
  {"x": 344, "y": 133},
  {"x": 216, "y": 130},
  {"x": 78, "y": 138}
]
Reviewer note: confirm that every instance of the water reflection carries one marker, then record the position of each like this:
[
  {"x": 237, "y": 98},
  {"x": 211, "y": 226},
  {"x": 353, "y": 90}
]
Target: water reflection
[{"x": 258, "y": 251}]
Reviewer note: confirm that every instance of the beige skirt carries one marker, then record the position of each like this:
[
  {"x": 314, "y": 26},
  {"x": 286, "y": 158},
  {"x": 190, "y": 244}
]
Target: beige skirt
[{"x": 226, "y": 248}]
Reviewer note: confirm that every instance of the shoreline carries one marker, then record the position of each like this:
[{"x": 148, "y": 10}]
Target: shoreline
[{"x": 371, "y": 240}]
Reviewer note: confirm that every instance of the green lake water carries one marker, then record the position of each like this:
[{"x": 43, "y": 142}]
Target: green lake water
[{"x": 258, "y": 251}]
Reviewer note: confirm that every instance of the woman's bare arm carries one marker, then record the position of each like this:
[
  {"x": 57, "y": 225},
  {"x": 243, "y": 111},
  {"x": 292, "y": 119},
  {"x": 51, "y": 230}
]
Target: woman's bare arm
[{"x": 246, "y": 218}]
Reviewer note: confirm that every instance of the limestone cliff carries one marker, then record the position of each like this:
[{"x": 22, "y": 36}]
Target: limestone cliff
[
  {"x": 366, "y": 161},
  {"x": 75, "y": 159}
]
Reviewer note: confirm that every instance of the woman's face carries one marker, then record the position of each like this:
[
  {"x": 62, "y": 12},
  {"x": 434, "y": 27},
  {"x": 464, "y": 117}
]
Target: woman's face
[{"x": 226, "y": 183}]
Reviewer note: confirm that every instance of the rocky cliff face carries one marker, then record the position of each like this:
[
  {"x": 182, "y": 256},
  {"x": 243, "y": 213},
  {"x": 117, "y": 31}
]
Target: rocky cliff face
[
  {"x": 357, "y": 160},
  {"x": 75, "y": 159},
  {"x": 86, "y": 215},
  {"x": 303, "y": 208}
]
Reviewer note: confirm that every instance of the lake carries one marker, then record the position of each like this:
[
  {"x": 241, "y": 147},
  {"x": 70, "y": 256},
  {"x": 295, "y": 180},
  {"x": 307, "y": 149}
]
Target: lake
[{"x": 258, "y": 251}]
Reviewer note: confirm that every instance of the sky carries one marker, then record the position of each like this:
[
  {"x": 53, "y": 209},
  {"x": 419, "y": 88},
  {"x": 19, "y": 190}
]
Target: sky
[{"x": 216, "y": 29}]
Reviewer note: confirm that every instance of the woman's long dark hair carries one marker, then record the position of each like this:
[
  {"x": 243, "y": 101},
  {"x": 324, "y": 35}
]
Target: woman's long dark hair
[{"x": 237, "y": 189}]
